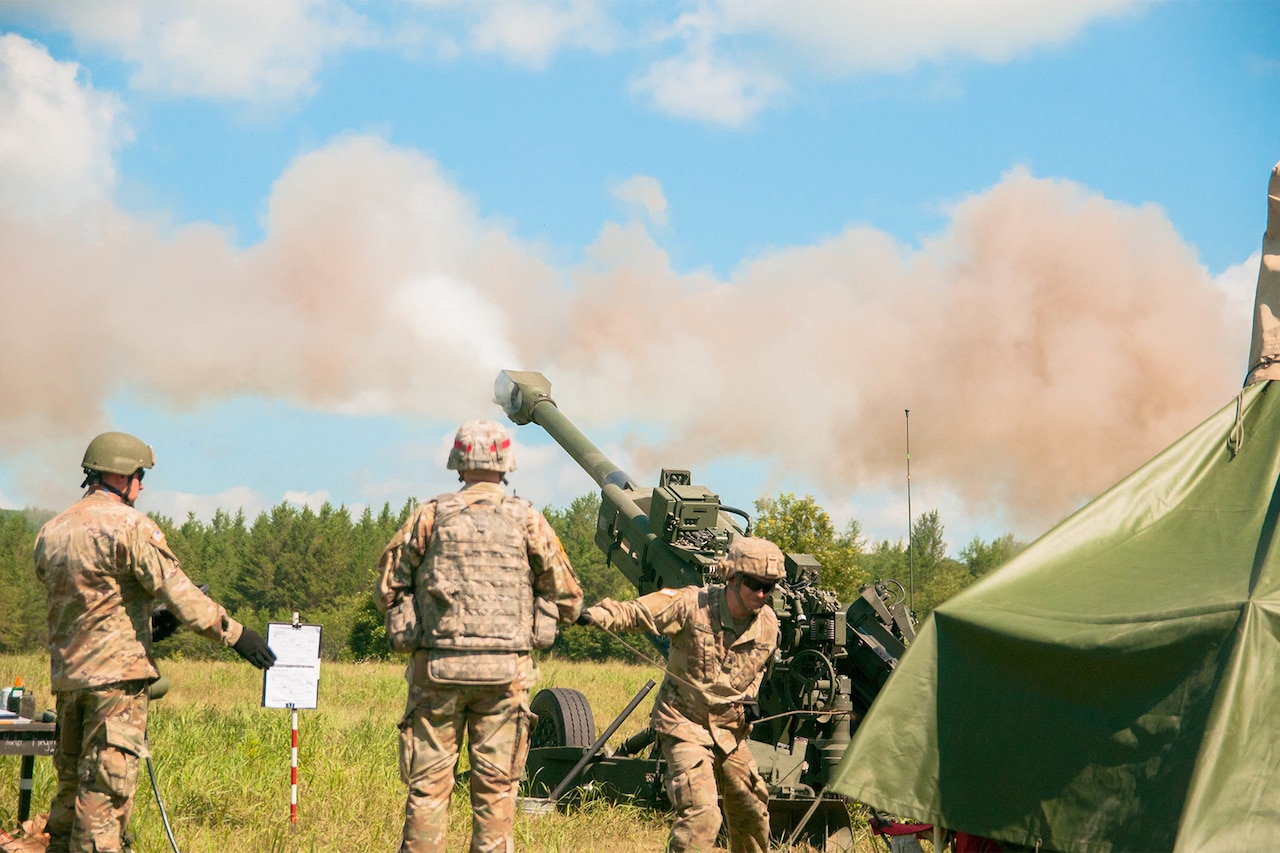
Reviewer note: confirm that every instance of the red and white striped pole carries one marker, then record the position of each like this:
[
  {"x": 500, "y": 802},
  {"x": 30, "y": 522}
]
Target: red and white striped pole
[{"x": 293, "y": 771}]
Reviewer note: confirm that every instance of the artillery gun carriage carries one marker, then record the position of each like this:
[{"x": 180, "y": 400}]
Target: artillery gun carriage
[{"x": 832, "y": 659}]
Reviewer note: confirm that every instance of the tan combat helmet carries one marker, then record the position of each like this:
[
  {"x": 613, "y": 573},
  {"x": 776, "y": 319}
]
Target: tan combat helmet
[
  {"x": 117, "y": 453},
  {"x": 482, "y": 445},
  {"x": 758, "y": 558}
]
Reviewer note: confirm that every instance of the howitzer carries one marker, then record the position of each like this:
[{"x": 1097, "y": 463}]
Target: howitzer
[{"x": 832, "y": 659}]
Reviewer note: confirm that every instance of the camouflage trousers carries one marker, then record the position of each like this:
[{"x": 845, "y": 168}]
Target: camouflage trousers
[
  {"x": 694, "y": 774},
  {"x": 495, "y": 719},
  {"x": 101, "y": 741}
]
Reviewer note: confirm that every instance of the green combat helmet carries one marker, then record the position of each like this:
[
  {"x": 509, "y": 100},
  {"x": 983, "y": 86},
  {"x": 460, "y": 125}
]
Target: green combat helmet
[
  {"x": 758, "y": 558},
  {"x": 117, "y": 453},
  {"x": 482, "y": 445}
]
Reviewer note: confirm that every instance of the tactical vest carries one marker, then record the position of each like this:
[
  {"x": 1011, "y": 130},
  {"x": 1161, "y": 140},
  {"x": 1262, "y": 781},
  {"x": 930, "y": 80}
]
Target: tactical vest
[
  {"x": 474, "y": 588},
  {"x": 706, "y": 655}
]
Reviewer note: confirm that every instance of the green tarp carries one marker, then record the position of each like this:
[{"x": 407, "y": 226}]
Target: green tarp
[{"x": 1116, "y": 687}]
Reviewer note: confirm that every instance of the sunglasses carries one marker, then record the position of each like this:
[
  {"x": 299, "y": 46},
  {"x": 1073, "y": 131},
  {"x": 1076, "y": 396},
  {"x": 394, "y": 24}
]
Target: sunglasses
[
  {"x": 140, "y": 473},
  {"x": 757, "y": 585}
]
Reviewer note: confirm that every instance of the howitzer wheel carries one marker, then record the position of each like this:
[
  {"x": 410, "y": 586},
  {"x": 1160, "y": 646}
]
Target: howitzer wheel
[
  {"x": 564, "y": 719},
  {"x": 811, "y": 680}
]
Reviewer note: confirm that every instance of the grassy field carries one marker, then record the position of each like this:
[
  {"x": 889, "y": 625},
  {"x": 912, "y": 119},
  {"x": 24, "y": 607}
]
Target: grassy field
[{"x": 222, "y": 762}]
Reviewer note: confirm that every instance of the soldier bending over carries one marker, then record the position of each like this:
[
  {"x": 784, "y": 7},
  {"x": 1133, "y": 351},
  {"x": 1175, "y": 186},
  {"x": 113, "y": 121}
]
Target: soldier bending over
[{"x": 722, "y": 637}]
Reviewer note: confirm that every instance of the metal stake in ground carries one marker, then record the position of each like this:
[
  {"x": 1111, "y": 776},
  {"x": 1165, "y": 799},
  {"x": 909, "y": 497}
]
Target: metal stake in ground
[
  {"x": 293, "y": 771},
  {"x": 600, "y": 741}
]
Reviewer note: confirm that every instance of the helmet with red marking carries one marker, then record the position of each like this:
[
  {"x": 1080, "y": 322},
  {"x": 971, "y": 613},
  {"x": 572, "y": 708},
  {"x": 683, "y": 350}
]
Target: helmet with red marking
[{"x": 482, "y": 445}]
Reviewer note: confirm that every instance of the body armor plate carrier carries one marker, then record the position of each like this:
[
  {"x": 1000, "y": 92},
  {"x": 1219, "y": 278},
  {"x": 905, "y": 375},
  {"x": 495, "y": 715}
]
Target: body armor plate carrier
[{"x": 475, "y": 588}]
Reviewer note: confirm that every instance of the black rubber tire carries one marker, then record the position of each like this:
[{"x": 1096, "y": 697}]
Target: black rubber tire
[{"x": 564, "y": 718}]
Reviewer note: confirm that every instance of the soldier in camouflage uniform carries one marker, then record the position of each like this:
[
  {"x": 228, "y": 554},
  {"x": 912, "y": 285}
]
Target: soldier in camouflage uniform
[
  {"x": 722, "y": 637},
  {"x": 471, "y": 583},
  {"x": 104, "y": 564}
]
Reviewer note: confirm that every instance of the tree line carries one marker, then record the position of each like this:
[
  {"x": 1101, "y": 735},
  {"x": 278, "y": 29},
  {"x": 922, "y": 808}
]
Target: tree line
[{"x": 323, "y": 565}]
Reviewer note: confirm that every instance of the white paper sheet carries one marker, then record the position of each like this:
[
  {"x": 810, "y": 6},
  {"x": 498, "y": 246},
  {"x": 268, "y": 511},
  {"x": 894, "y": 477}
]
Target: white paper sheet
[{"x": 295, "y": 677}]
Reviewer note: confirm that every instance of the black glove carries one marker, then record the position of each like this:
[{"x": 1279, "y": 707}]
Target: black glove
[
  {"x": 254, "y": 649},
  {"x": 750, "y": 712},
  {"x": 584, "y": 618},
  {"x": 163, "y": 623}
]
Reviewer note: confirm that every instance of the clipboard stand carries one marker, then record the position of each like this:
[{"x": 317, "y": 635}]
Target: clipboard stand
[{"x": 293, "y": 682}]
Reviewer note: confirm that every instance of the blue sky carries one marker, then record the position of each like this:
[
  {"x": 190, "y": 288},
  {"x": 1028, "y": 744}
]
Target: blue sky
[{"x": 291, "y": 244}]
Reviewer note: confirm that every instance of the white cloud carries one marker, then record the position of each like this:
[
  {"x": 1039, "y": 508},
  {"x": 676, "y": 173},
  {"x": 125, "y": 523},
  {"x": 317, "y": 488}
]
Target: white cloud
[
  {"x": 1240, "y": 284},
  {"x": 646, "y": 193},
  {"x": 177, "y": 505},
  {"x": 708, "y": 88},
  {"x": 529, "y": 33},
  {"x": 57, "y": 134},
  {"x": 723, "y": 61},
  {"x": 894, "y": 35},
  {"x": 736, "y": 55},
  {"x": 232, "y": 49},
  {"x": 314, "y": 500}
]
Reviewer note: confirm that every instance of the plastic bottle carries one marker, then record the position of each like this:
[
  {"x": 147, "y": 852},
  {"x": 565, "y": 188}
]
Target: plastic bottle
[{"x": 14, "y": 702}]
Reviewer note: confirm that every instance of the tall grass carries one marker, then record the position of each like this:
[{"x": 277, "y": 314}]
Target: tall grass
[{"x": 222, "y": 764}]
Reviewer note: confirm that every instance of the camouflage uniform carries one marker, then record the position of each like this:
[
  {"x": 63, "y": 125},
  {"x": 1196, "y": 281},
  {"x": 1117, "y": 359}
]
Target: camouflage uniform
[
  {"x": 104, "y": 563},
  {"x": 474, "y": 561},
  {"x": 713, "y": 667}
]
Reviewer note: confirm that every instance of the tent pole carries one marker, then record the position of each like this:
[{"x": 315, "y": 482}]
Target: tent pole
[{"x": 911, "y": 561}]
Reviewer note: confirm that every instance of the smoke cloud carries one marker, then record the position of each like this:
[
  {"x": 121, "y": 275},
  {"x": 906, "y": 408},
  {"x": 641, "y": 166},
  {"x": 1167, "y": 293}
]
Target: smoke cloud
[{"x": 1046, "y": 342}]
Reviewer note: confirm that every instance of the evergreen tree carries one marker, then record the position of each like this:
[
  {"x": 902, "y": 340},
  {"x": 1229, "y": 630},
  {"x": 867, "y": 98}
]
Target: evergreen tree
[
  {"x": 983, "y": 557},
  {"x": 23, "y": 608},
  {"x": 265, "y": 550},
  {"x": 225, "y": 548},
  {"x": 928, "y": 549},
  {"x": 888, "y": 560},
  {"x": 800, "y": 525},
  {"x": 576, "y": 528},
  {"x": 324, "y": 565}
]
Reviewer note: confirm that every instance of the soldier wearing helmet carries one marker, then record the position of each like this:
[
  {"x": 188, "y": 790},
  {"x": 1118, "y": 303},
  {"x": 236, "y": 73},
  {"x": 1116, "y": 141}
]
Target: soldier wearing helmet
[
  {"x": 470, "y": 584},
  {"x": 104, "y": 565},
  {"x": 722, "y": 637}
]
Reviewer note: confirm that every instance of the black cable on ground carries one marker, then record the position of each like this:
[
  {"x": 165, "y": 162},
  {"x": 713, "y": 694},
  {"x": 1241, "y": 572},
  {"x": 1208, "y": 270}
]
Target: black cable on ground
[{"x": 164, "y": 816}]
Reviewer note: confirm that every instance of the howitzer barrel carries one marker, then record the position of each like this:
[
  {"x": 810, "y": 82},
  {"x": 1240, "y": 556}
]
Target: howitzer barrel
[
  {"x": 623, "y": 531},
  {"x": 526, "y": 397}
]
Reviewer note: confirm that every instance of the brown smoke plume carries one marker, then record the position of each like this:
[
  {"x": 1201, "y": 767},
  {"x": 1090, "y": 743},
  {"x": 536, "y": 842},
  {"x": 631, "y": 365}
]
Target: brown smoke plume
[{"x": 1046, "y": 343}]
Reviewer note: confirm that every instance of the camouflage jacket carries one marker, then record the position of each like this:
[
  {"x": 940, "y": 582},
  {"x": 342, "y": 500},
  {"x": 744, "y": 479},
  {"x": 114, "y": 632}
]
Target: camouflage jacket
[
  {"x": 103, "y": 564},
  {"x": 552, "y": 577},
  {"x": 711, "y": 668}
]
